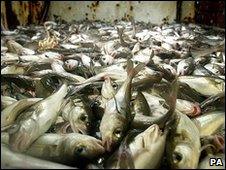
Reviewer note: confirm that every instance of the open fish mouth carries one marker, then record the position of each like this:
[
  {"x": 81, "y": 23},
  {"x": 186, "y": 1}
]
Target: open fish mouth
[
  {"x": 196, "y": 110},
  {"x": 219, "y": 142}
]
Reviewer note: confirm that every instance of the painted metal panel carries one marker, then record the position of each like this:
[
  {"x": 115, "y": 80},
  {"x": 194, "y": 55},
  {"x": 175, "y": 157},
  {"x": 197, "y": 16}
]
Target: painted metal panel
[{"x": 146, "y": 11}]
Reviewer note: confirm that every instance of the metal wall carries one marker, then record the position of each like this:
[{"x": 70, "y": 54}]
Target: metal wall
[
  {"x": 147, "y": 11},
  {"x": 15, "y": 13}
]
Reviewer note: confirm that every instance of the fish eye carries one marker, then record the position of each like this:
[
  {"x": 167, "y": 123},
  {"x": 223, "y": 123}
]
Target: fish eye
[
  {"x": 185, "y": 67},
  {"x": 118, "y": 133},
  {"x": 115, "y": 85},
  {"x": 95, "y": 104},
  {"x": 168, "y": 69},
  {"x": 103, "y": 58},
  {"x": 83, "y": 117},
  {"x": 177, "y": 157},
  {"x": 79, "y": 149}
]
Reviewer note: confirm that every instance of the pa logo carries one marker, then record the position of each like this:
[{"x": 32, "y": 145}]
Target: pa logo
[{"x": 216, "y": 162}]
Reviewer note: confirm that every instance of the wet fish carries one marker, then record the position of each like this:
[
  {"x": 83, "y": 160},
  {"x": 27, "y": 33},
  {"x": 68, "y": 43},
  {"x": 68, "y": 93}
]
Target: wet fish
[
  {"x": 118, "y": 111},
  {"x": 144, "y": 151},
  {"x": 12, "y": 159},
  {"x": 78, "y": 113},
  {"x": 108, "y": 90},
  {"x": 188, "y": 108},
  {"x": 209, "y": 122},
  {"x": 207, "y": 86},
  {"x": 6, "y": 101},
  {"x": 36, "y": 120},
  {"x": 185, "y": 67},
  {"x": 143, "y": 121},
  {"x": 184, "y": 146},
  {"x": 10, "y": 113}
]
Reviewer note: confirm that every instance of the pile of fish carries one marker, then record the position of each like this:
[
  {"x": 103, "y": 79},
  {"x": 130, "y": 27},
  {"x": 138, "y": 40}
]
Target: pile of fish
[{"x": 102, "y": 95}]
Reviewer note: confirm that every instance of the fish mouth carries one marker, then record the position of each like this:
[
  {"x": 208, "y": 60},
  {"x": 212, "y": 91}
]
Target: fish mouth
[
  {"x": 196, "y": 110},
  {"x": 99, "y": 146},
  {"x": 107, "y": 144},
  {"x": 219, "y": 142}
]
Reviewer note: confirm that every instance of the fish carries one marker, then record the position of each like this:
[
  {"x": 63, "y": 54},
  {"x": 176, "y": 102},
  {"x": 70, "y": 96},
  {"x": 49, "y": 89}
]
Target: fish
[
  {"x": 15, "y": 47},
  {"x": 213, "y": 102},
  {"x": 12, "y": 159},
  {"x": 118, "y": 110},
  {"x": 206, "y": 86},
  {"x": 10, "y": 113},
  {"x": 78, "y": 113},
  {"x": 6, "y": 101},
  {"x": 185, "y": 66},
  {"x": 191, "y": 109},
  {"x": 140, "y": 105},
  {"x": 35, "y": 121},
  {"x": 183, "y": 148},
  {"x": 13, "y": 70},
  {"x": 143, "y": 151},
  {"x": 108, "y": 90},
  {"x": 143, "y": 121},
  {"x": 57, "y": 66},
  {"x": 63, "y": 148},
  {"x": 71, "y": 64},
  {"x": 209, "y": 122},
  {"x": 117, "y": 83}
]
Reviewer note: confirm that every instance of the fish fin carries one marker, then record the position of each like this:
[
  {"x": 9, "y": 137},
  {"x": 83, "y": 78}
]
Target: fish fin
[
  {"x": 131, "y": 72},
  {"x": 172, "y": 97}
]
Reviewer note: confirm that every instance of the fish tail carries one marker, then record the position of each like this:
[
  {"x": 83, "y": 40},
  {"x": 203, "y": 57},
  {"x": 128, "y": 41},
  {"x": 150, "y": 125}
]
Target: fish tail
[{"x": 131, "y": 71}]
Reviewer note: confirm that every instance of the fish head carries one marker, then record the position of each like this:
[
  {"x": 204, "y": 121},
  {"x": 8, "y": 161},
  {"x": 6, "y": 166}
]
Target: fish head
[
  {"x": 112, "y": 130},
  {"x": 71, "y": 64},
  {"x": 85, "y": 146},
  {"x": 80, "y": 119},
  {"x": 107, "y": 59},
  {"x": 183, "y": 68},
  {"x": 108, "y": 88},
  {"x": 184, "y": 156}
]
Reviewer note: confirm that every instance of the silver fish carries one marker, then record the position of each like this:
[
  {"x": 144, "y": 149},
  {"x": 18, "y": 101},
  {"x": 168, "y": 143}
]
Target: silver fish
[
  {"x": 10, "y": 113},
  {"x": 118, "y": 111},
  {"x": 184, "y": 146},
  {"x": 36, "y": 120},
  {"x": 12, "y": 159}
]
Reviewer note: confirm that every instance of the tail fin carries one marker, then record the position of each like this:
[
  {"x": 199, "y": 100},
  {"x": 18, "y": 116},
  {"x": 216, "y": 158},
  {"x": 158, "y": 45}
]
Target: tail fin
[
  {"x": 131, "y": 72},
  {"x": 172, "y": 97}
]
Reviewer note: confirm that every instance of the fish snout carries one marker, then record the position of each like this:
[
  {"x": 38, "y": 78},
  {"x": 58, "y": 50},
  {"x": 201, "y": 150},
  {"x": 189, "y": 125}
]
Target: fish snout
[
  {"x": 219, "y": 142},
  {"x": 107, "y": 144},
  {"x": 196, "y": 110},
  {"x": 97, "y": 147}
]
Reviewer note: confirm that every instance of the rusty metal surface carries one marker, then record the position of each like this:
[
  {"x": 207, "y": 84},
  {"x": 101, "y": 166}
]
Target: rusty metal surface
[
  {"x": 188, "y": 11},
  {"x": 110, "y": 11},
  {"x": 15, "y": 13}
]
